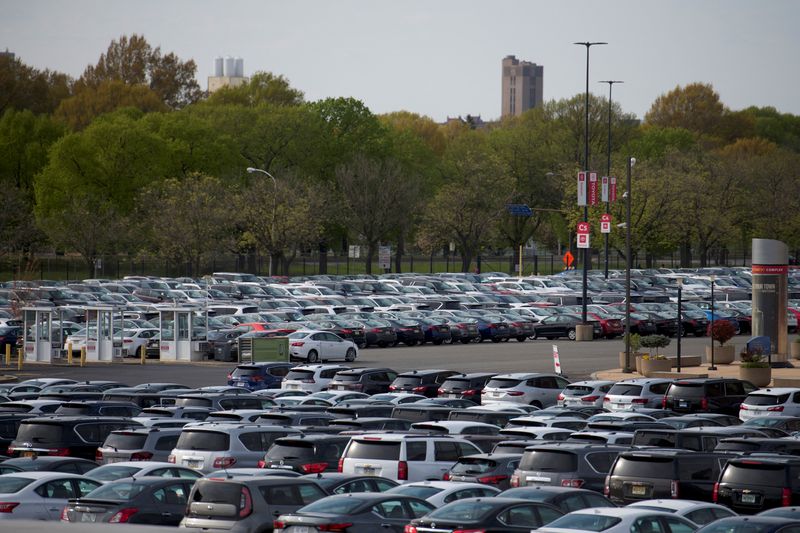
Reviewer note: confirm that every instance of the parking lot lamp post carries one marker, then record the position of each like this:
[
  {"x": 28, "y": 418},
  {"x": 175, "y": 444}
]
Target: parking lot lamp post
[
  {"x": 680, "y": 322},
  {"x": 628, "y": 197},
  {"x": 712, "y": 367},
  {"x": 252, "y": 170},
  {"x": 584, "y": 294},
  {"x": 608, "y": 173}
]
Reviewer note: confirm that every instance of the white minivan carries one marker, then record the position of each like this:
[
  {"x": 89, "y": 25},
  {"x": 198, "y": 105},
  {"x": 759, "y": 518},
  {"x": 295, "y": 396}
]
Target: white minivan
[{"x": 403, "y": 457}]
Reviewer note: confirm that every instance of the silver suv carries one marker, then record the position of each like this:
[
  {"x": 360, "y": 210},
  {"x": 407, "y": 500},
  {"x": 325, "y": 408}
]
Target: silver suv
[
  {"x": 637, "y": 393},
  {"x": 146, "y": 444},
  {"x": 403, "y": 457},
  {"x": 213, "y": 446},
  {"x": 246, "y": 504},
  {"x": 540, "y": 390}
]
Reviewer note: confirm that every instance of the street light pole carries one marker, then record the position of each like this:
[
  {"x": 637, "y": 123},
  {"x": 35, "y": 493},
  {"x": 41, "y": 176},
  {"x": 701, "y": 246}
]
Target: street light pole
[
  {"x": 584, "y": 294},
  {"x": 252, "y": 170},
  {"x": 628, "y": 198},
  {"x": 680, "y": 320},
  {"x": 713, "y": 366},
  {"x": 608, "y": 171}
]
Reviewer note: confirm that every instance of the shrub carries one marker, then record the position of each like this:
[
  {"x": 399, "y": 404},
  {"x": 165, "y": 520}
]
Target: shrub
[
  {"x": 635, "y": 341},
  {"x": 722, "y": 331},
  {"x": 753, "y": 359},
  {"x": 655, "y": 341}
]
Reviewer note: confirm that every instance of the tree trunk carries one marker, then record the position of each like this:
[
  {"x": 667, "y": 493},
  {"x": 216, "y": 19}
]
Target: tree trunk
[
  {"x": 323, "y": 257},
  {"x": 398, "y": 257},
  {"x": 370, "y": 256},
  {"x": 702, "y": 249},
  {"x": 686, "y": 254},
  {"x": 466, "y": 260}
]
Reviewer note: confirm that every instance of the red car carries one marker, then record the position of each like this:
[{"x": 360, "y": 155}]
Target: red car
[{"x": 611, "y": 327}]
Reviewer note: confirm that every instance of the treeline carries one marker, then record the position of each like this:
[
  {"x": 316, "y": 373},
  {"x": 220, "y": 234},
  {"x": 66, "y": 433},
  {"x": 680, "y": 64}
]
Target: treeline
[{"x": 133, "y": 158}]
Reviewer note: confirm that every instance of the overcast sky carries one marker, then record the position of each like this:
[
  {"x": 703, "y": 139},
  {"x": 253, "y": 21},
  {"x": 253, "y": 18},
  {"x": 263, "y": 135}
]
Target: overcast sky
[{"x": 441, "y": 57}]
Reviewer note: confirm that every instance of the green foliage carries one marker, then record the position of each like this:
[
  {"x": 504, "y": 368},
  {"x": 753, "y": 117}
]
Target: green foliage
[
  {"x": 753, "y": 359},
  {"x": 655, "y": 341},
  {"x": 634, "y": 340},
  {"x": 26, "y": 88},
  {"x": 80, "y": 110},
  {"x": 262, "y": 88}
]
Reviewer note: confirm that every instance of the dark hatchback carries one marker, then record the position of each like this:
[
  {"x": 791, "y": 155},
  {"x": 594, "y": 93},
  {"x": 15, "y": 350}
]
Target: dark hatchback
[
  {"x": 258, "y": 376},
  {"x": 307, "y": 454},
  {"x": 366, "y": 380},
  {"x": 424, "y": 382},
  {"x": 465, "y": 386},
  {"x": 753, "y": 484},
  {"x": 73, "y": 436},
  {"x": 552, "y": 327},
  {"x": 486, "y": 514},
  {"x": 718, "y": 395}
]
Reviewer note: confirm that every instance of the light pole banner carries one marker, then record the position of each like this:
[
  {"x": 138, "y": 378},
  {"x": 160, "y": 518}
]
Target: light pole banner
[
  {"x": 612, "y": 189},
  {"x": 605, "y": 223},
  {"x": 581, "y": 188},
  {"x": 593, "y": 188},
  {"x": 604, "y": 189},
  {"x": 556, "y": 360}
]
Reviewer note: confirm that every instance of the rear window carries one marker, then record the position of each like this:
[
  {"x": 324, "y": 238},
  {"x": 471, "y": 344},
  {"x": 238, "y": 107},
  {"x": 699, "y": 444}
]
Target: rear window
[
  {"x": 217, "y": 492},
  {"x": 645, "y": 467},
  {"x": 245, "y": 371},
  {"x": 755, "y": 473},
  {"x": 686, "y": 390},
  {"x": 10, "y": 484},
  {"x": 549, "y": 461},
  {"x": 503, "y": 383},
  {"x": 471, "y": 511},
  {"x": 207, "y": 441},
  {"x": 459, "y": 383},
  {"x": 125, "y": 441},
  {"x": 467, "y": 465},
  {"x": 73, "y": 410},
  {"x": 736, "y": 447},
  {"x": 194, "y": 402},
  {"x": 402, "y": 381},
  {"x": 585, "y": 522},
  {"x": 112, "y": 472},
  {"x": 364, "y": 449},
  {"x": 300, "y": 374},
  {"x": 417, "y": 491},
  {"x": 767, "y": 399},
  {"x": 347, "y": 377},
  {"x": 294, "y": 450},
  {"x": 577, "y": 390},
  {"x": 39, "y": 433},
  {"x": 123, "y": 490},
  {"x": 651, "y": 438},
  {"x": 625, "y": 389}
]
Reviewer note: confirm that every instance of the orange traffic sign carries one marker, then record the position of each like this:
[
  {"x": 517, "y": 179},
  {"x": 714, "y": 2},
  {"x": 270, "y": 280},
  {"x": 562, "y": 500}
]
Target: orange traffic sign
[{"x": 568, "y": 258}]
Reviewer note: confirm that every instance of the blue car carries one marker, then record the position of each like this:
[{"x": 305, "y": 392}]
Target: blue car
[{"x": 257, "y": 376}]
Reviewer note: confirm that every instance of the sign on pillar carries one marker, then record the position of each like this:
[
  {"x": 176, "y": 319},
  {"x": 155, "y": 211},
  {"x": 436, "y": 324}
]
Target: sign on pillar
[
  {"x": 605, "y": 223},
  {"x": 604, "y": 189},
  {"x": 582, "y": 188},
  {"x": 583, "y": 235},
  {"x": 612, "y": 189},
  {"x": 593, "y": 192}
]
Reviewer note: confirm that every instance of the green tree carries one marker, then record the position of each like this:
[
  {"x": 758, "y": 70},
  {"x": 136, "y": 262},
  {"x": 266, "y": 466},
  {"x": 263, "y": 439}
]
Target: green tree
[
  {"x": 186, "y": 219},
  {"x": 25, "y": 88},
  {"x": 695, "y": 107},
  {"x": 262, "y": 88},
  {"x": 78, "y": 111},
  {"x": 135, "y": 62}
]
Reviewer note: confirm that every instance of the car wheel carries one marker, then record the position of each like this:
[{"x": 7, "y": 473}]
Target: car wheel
[
  {"x": 350, "y": 356},
  {"x": 536, "y": 403},
  {"x": 480, "y": 339},
  {"x": 571, "y": 335},
  {"x": 466, "y": 341},
  {"x": 312, "y": 356},
  {"x": 411, "y": 343},
  {"x": 521, "y": 338},
  {"x": 437, "y": 342},
  {"x": 534, "y": 335},
  {"x": 383, "y": 344},
  {"x": 361, "y": 345},
  {"x": 495, "y": 339}
]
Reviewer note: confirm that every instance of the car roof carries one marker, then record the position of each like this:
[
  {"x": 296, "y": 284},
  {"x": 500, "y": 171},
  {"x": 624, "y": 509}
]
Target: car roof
[
  {"x": 774, "y": 391},
  {"x": 44, "y": 475},
  {"x": 676, "y": 505},
  {"x": 444, "y": 485}
]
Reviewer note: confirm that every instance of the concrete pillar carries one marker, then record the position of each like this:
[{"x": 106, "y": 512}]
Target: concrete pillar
[{"x": 770, "y": 294}]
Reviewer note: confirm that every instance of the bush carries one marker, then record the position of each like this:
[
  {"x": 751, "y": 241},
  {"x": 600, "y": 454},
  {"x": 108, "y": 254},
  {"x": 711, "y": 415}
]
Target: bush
[
  {"x": 722, "y": 331},
  {"x": 753, "y": 359},
  {"x": 655, "y": 341},
  {"x": 635, "y": 341}
]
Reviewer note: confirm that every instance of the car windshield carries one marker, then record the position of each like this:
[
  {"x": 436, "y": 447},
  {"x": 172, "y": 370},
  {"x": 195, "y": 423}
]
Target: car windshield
[
  {"x": 123, "y": 490},
  {"x": 736, "y": 526},
  {"x": 112, "y": 472},
  {"x": 585, "y": 522},
  {"x": 344, "y": 505},
  {"x": 418, "y": 491},
  {"x": 467, "y": 511},
  {"x": 549, "y": 461}
]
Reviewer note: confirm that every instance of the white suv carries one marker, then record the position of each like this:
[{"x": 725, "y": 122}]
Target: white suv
[
  {"x": 540, "y": 390},
  {"x": 403, "y": 457},
  {"x": 637, "y": 393},
  {"x": 213, "y": 446},
  {"x": 311, "y": 378},
  {"x": 770, "y": 402},
  {"x": 584, "y": 394}
]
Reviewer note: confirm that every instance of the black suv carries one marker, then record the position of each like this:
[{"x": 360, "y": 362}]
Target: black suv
[
  {"x": 716, "y": 395},
  {"x": 74, "y": 436},
  {"x": 697, "y": 439},
  {"x": 465, "y": 386},
  {"x": 752, "y": 484},
  {"x": 307, "y": 454},
  {"x": 424, "y": 382},
  {"x": 566, "y": 465},
  {"x": 366, "y": 380},
  {"x": 645, "y": 475}
]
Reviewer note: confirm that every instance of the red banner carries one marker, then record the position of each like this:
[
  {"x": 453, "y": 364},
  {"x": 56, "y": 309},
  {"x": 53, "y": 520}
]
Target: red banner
[
  {"x": 594, "y": 193},
  {"x": 612, "y": 190},
  {"x": 770, "y": 269}
]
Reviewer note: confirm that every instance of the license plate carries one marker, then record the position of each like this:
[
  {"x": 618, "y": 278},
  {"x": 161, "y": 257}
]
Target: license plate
[
  {"x": 297, "y": 529},
  {"x": 452, "y": 396},
  {"x": 538, "y": 479},
  {"x": 88, "y": 517},
  {"x": 194, "y": 464},
  {"x": 683, "y": 403},
  {"x": 281, "y": 467},
  {"x": 748, "y": 498},
  {"x": 638, "y": 490},
  {"x": 28, "y": 454}
]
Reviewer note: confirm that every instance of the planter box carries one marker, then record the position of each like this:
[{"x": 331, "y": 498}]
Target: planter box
[
  {"x": 794, "y": 350},
  {"x": 633, "y": 361},
  {"x": 723, "y": 355},
  {"x": 760, "y": 377},
  {"x": 650, "y": 366}
]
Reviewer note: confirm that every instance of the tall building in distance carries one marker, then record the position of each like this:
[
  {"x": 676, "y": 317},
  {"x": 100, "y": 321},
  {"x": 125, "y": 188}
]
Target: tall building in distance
[
  {"x": 523, "y": 83},
  {"x": 228, "y": 72}
]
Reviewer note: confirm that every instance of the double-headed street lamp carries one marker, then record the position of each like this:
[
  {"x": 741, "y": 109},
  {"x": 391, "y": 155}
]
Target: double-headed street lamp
[
  {"x": 627, "y": 196},
  {"x": 584, "y": 294},
  {"x": 608, "y": 172},
  {"x": 252, "y": 170}
]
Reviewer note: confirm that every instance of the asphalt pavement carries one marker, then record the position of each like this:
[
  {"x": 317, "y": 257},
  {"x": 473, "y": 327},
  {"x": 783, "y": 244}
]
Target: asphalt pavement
[{"x": 579, "y": 360}]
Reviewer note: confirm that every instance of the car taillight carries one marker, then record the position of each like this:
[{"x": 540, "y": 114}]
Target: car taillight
[
  {"x": 65, "y": 514},
  {"x": 141, "y": 456},
  {"x": 607, "y": 486},
  {"x": 441, "y": 391},
  {"x": 347, "y": 331},
  {"x": 314, "y": 468},
  {"x": 230, "y": 377},
  {"x": 492, "y": 480},
  {"x": 515, "y": 393},
  {"x": 123, "y": 515},
  {"x": 375, "y": 330},
  {"x": 574, "y": 483},
  {"x": 59, "y": 452},
  {"x": 786, "y": 497},
  {"x": 590, "y": 398},
  {"x": 743, "y": 407},
  {"x": 334, "y": 527},
  {"x": 256, "y": 378},
  {"x": 298, "y": 343},
  {"x": 715, "y": 493},
  {"x": 340, "y": 468},
  {"x": 98, "y": 455},
  {"x": 673, "y": 489},
  {"x": 277, "y": 524},
  {"x": 224, "y": 462},
  {"x": 7, "y": 507},
  {"x": 664, "y": 402},
  {"x": 418, "y": 389},
  {"x": 471, "y": 392},
  {"x": 171, "y": 459},
  {"x": 514, "y": 480},
  {"x": 775, "y": 408},
  {"x": 392, "y": 387},
  {"x": 703, "y": 403},
  {"x": 261, "y": 464},
  {"x": 402, "y": 471},
  {"x": 606, "y": 399},
  {"x": 446, "y": 476},
  {"x": 410, "y": 529},
  {"x": 560, "y": 396},
  {"x": 245, "y": 503}
]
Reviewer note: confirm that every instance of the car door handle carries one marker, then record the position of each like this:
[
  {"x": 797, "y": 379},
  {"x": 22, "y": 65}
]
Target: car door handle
[{"x": 165, "y": 515}]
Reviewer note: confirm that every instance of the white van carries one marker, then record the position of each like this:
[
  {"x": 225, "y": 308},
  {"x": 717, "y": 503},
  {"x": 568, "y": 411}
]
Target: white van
[{"x": 403, "y": 457}]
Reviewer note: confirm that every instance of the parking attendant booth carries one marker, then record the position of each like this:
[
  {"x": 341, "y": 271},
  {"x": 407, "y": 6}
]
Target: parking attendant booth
[
  {"x": 180, "y": 341},
  {"x": 39, "y": 345},
  {"x": 100, "y": 343}
]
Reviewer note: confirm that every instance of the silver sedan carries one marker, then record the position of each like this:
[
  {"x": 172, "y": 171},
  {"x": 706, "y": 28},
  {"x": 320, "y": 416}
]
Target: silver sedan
[{"x": 40, "y": 495}]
